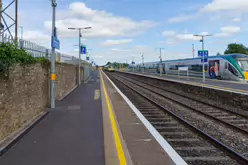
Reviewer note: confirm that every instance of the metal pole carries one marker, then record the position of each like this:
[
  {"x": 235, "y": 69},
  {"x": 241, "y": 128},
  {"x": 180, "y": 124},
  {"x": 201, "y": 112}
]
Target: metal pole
[
  {"x": 160, "y": 54},
  {"x": 160, "y": 61},
  {"x": 16, "y": 19},
  {"x": 143, "y": 65},
  {"x": 53, "y": 68},
  {"x": 1, "y": 5},
  {"x": 203, "y": 67},
  {"x": 193, "y": 50},
  {"x": 79, "y": 60},
  {"x": 187, "y": 74}
]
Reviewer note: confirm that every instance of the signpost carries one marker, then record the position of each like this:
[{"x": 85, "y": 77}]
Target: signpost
[
  {"x": 204, "y": 59},
  {"x": 55, "y": 45},
  {"x": 133, "y": 64},
  {"x": 184, "y": 69}
]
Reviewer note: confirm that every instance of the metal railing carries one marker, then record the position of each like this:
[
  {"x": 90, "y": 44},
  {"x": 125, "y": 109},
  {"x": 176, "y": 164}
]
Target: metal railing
[{"x": 39, "y": 51}]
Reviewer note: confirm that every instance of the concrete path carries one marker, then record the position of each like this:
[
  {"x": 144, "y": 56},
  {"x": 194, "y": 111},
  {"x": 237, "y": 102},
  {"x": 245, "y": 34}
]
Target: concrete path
[{"x": 71, "y": 134}]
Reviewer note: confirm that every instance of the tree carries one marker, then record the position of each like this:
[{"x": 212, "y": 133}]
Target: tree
[
  {"x": 236, "y": 48},
  {"x": 218, "y": 54},
  {"x": 109, "y": 63}
]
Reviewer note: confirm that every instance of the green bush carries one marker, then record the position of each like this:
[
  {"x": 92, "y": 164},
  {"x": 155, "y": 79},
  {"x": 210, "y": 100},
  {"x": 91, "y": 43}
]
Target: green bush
[{"x": 10, "y": 54}]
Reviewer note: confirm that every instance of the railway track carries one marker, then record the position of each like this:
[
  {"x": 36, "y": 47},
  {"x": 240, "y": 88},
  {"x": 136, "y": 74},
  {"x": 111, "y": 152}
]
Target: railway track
[
  {"x": 195, "y": 146},
  {"x": 230, "y": 118}
]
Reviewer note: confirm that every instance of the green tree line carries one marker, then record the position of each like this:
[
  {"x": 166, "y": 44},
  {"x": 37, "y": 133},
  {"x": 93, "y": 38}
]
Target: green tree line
[
  {"x": 118, "y": 65},
  {"x": 236, "y": 48}
]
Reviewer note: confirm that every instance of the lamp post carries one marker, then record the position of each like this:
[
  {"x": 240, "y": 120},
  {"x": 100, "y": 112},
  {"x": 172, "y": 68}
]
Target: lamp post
[
  {"x": 203, "y": 63},
  {"x": 79, "y": 60},
  {"x": 53, "y": 57},
  {"x": 143, "y": 65},
  {"x": 193, "y": 50},
  {"x": 160, "y": 57}
]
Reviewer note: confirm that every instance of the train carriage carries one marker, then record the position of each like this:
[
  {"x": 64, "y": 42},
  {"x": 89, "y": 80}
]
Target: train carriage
[{"x": 226, "y": 67}]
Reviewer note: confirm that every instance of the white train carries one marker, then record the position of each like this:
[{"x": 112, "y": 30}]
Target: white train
[{"x": 226, "y": 67}]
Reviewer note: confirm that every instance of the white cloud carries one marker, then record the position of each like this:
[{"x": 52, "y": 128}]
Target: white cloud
[
  {"x": 174, "y": 37},
  {"x": 181, "y": 18},
  {"x": 236, "y": 19},
  {"x": 169, "y": 33},
  {"x": 219, "y": 5},
  {"x": 103, "y": 24},
  {"x": 119, "y": 50},
  {"x": 116, "y": 42},
  {"x": 230, "y": 29},
  {"x": 187, "y": 37},
  {"x": 222, "y": 34},
  {"x": 37, "y": 37},
  {"x": 204, "y": 33}
]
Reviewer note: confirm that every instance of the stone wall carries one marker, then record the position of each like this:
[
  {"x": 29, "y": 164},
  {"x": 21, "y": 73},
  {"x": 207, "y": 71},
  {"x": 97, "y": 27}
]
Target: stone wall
[
  {"x": 25, "y": 93},
  {"x": 66, "y": 78}
]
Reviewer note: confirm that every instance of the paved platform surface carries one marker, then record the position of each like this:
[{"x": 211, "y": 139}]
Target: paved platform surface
[
  {"x": 226, "y": 85},
  {"x": 142, "y": 147},
  {"x": 71, "y": 134}
]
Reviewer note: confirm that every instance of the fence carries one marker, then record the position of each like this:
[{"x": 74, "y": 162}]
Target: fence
[
  {"x": 188, "y": 73},
  {"x": 39, "y": 51}
]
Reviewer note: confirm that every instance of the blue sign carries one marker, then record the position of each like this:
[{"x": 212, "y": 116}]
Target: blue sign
[
  {"x": 203, "y": 53},
  {"x": 205, "y": 59},
  {"x": 55, "y": 40},
  {"x": 133, "y": 62},
  {"x": 83, "y": 49},
  {"x": 87, "y": 58},
  {"x": 55, "y": 43}
]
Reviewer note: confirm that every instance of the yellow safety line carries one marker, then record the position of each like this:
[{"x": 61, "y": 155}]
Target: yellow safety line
[{"x": 119, "y": 148}]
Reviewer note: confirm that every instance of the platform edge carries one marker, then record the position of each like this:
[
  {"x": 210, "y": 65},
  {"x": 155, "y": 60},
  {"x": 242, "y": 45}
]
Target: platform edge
[{"x": 177, "y": 159}]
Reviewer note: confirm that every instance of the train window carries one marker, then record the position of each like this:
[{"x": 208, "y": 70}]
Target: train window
[
  {"x": 226, "y": 65},
  {"x": 243, "y": 64},
  {"x": 233, "y": 70}
]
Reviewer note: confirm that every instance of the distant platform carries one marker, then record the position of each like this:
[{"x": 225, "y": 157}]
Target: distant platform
[{"x": 232, "y": 86}]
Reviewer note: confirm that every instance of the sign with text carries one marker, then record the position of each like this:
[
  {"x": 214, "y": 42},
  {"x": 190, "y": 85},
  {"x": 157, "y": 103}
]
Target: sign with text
[
  {"x": 185, "y": 68},
  {"x": 203, "y": 53},
  {"x": 83, "y": 49},
  {"x": 55, "y": 41}
]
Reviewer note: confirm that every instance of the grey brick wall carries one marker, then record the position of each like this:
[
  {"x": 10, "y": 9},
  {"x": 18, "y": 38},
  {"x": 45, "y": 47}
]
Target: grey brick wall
[{"x": 25, "y": 93}]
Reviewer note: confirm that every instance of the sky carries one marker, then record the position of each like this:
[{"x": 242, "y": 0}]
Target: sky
[{"x": 123, "y": 30}]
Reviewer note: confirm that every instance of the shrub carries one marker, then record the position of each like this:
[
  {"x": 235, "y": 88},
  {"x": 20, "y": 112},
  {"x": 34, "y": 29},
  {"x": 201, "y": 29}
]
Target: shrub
[{"x": 10, "y": 54}]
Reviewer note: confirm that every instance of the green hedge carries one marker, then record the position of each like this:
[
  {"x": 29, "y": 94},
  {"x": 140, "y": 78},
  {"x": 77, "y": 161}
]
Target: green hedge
[{"x": 10, "y": 54}]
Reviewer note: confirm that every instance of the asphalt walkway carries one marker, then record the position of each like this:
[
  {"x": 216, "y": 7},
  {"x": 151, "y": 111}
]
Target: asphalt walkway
[{"x": 71, "y": 134}]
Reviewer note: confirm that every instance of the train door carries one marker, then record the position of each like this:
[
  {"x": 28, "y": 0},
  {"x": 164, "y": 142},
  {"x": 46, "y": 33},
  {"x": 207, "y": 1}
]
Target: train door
[
  {"x": 214, "y": 69},
  {"x": 224, "y": 70}
]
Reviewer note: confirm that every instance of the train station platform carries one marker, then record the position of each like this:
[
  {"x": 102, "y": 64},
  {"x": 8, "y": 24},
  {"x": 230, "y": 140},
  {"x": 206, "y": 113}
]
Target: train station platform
[
  {"x": 232, "y": 86},
  {"x": 93, "y": 125}
]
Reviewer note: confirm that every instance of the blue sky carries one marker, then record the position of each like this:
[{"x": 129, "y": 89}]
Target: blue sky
[{"x": 123, "y": 29}]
